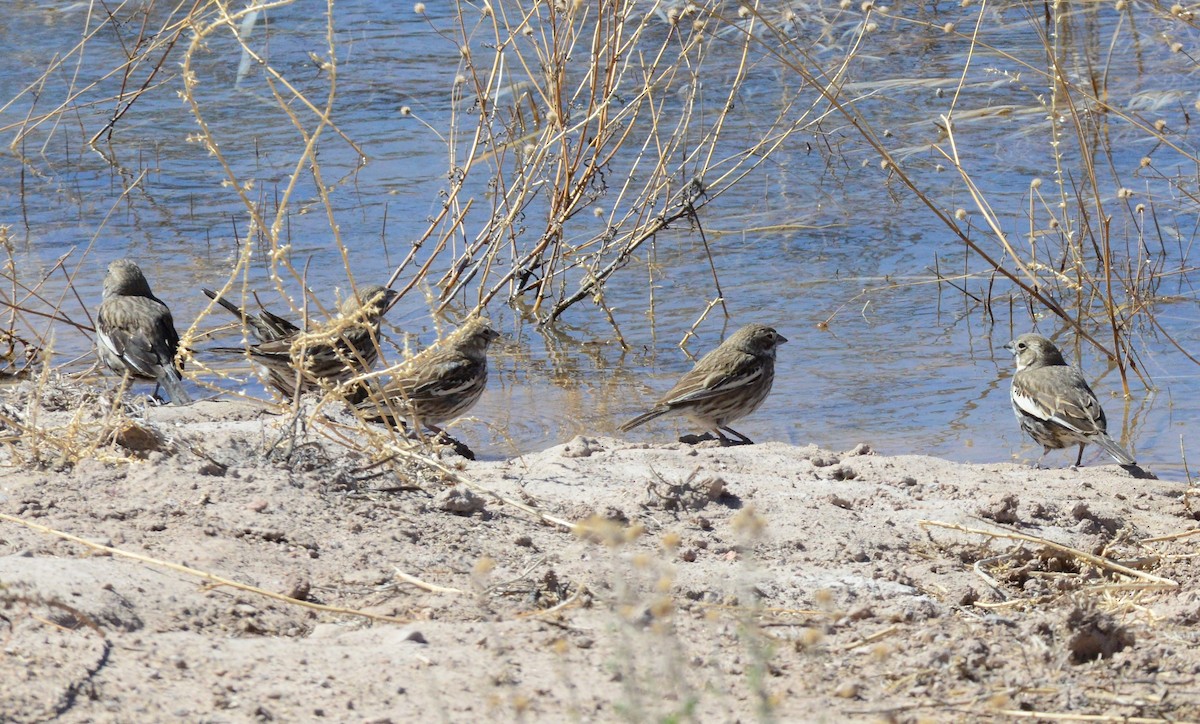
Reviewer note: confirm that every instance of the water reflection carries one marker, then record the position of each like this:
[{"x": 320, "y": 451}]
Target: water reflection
[{"x": 819, "y": 241}]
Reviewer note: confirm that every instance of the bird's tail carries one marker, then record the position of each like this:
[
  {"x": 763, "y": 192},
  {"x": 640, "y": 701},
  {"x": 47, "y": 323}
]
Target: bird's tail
[
  {"x": 1112, "y": 448},
  {"x": 644, "y": 418},
  {"x": 232, "y": 308},
  {"x": 171, "y": 382}
]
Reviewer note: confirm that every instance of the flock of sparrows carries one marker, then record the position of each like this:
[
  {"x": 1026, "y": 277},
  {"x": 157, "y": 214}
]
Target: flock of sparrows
[{"x": 136, "y": 336}]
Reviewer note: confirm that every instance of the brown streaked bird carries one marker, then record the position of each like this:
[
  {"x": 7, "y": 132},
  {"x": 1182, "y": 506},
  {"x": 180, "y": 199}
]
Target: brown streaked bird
[
  {"x": 437, "y": 384},
  {"x": 727, "y": 384},
  {"x": 1054, "y": 403},
  {"x": 265, "y": 326},
  {"x": 135, "y": 334},
  {"x": 328, "y": 354}
]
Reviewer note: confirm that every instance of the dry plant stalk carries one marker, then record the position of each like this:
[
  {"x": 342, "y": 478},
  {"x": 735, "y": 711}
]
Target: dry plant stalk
[
  {"x": 622, "y": 111},
  {"x": 213, "y": 579},
  {"x": 1145, "y": 580}
]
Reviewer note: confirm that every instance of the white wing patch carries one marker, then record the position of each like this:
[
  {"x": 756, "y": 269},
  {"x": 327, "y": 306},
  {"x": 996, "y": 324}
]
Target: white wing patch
[{"x": 1033, "y": 408}]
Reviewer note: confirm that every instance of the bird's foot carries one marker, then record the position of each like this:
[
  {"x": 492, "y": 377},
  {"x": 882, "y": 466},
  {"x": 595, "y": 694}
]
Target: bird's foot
[
  {"x": 741, "y": 439},
  {"x": 443, "y": 439},
  {"x": 458, "y": 446},
  {"x": 708, "y": 437}
]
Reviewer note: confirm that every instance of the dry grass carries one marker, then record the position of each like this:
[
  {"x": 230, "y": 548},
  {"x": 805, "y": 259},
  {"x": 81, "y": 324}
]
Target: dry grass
[{"x": 580, "y": 132}]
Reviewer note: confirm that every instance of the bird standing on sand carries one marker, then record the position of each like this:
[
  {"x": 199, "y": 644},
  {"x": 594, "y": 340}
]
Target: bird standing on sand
[
  {"x": 1053, "y": 402},
  {"x": 727, "y": 384},
  {"x": 135, "y": 334},
  {"x": 437, "y": 384},
  {"x": 328, "y": 354}
]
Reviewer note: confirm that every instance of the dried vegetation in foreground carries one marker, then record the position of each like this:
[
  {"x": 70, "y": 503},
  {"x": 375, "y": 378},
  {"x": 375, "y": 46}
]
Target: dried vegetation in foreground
[
  {"x": 634, "y": 583},
  {"x": 597, "y": 579}
]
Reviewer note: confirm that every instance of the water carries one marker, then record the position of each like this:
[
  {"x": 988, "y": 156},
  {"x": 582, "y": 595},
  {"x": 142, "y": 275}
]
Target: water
[{"x": 818, "y": 240}]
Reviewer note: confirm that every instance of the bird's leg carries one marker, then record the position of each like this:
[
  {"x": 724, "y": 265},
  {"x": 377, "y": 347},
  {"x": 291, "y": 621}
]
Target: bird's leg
[
  {"x": 1038, "y": 465},
  {"x": 158, "y": 400},
  {"x": 417, "y": 431},
  {"x": 1079, "y": 460},
  {"x": 742, "y": 439}
]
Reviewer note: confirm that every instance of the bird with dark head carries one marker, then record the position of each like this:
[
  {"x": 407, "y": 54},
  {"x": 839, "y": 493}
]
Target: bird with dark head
[
  {"x": 326, "y": 355},
  {"x": 1054, "y": 403},
  {"x": 437, "y": 384},
  {"x": 135, "y": 334},
  {"x": 727, "y": 384}
]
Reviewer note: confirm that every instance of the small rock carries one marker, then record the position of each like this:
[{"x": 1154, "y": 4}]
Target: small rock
[
  {"x": 138, "y": 438},
  {"x": 459, "y": 500},
  {"x": 297, "y": 587},
  {"x": 213, "y": 469},
  {"x": 1002, "y": 509},
  {"x": 615, "y": 514},
  {"x": 843, "y": 472},
  {"x": 861, "y": 612},
  {"x": 581, "y": 447},
  {"x": 840, "y": 502},
  {"x": 712, "y": 485},
  {"x": 846, "y": 690}
]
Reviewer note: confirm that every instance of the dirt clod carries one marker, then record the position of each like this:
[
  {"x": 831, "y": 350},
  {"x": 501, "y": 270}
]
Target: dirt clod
[
  {"x": 459, "y": 500},
  {"x": 801, "y": 593}
]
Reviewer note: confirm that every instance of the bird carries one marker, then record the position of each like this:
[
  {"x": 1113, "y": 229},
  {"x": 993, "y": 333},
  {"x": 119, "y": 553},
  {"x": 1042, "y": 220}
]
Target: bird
[
  {"x": 727, "y": 384},
  {"x": 327, "y": 354},
  {"x": 1054, "y": 403},
  {"x": 437, "y": 384},
  {"x": 135, "y": 334},
  {"x": 265, "y": 326}
]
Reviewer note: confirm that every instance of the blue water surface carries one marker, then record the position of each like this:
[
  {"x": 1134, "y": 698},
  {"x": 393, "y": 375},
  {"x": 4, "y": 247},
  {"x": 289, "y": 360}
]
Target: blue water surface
[{"x": 820, "y": 239}]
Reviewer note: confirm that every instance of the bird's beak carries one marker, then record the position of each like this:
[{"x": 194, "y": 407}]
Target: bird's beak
[
  {"x": 1010, "y": 348},
  {"x": 779, "y": 338}
]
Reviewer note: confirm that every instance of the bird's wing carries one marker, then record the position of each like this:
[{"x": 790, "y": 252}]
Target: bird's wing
[
  {"x": 438, "y": 378},
  {"x": 277, "y": 349},
  {"x": 143, "y": 337},
  {"x": 279, "y": 327},
  {"x": 697, "y": 385},
  {"x": 166, "y": 339},
  {"x": 1077, "y": 409}
]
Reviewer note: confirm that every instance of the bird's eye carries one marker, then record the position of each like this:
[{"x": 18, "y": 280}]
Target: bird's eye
[{"x": 1021, "y": 345}]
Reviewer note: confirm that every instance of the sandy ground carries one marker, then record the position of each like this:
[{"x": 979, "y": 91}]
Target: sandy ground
[{"x": 703, "y": 583}]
